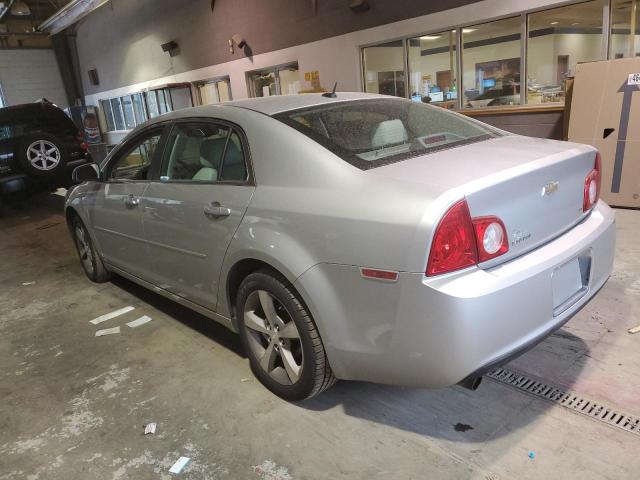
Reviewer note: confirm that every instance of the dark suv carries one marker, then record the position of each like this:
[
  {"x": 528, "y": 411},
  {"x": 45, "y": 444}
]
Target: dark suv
[{"x": 39, "y": 147}]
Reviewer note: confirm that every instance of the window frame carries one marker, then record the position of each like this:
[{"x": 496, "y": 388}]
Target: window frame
[
  {"x": 233, "y": 127},
  {"x": 129, "y": 144},
  {"x": 215, "y": 81},
  {"x": 275, "y": 69}
]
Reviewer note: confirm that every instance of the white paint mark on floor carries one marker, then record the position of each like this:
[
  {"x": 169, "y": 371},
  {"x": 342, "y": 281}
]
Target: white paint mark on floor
[
  {"x": 270, "y": 470},
  {"x": 109, "y": 316},
  {"x": 139, "y": 321},
  {"x": 179, "y": 465},
  {"x": 107, "y": 331}
]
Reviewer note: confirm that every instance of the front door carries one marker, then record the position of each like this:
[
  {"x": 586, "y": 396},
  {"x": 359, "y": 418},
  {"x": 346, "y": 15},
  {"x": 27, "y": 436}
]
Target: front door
[
  {"x": 116, "y": 215},
  {"x": 192, "y": 211}
]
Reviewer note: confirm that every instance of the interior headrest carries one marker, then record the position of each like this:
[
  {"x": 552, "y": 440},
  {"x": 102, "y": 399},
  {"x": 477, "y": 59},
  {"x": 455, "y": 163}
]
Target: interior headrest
[
  {"x": 211, "y": 151},
  {"x": 389, "y": 132}
]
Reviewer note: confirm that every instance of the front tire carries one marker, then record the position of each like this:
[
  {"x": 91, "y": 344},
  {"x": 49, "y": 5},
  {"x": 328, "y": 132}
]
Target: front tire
[
  {"x": 280, "y": 338},
  {"x": 89, "y": 258}
]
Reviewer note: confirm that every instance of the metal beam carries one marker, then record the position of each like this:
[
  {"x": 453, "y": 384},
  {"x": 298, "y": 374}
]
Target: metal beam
[
  {"x": 69, "y": 14},
  {"x": 6, "y": 9}
]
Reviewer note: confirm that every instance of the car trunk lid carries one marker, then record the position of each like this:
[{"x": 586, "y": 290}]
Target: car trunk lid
[{"x": 534, "y": 186}]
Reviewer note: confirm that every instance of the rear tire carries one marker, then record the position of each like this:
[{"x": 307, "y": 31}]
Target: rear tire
[
  {"x": 284, "y": 347},
  {"x": 89, "y": 258},
  {"x": 41, "y": 155}
]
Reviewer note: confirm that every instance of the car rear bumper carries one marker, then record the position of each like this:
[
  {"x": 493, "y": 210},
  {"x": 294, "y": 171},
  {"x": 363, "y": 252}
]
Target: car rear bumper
[{"x": 437, "y": 331}]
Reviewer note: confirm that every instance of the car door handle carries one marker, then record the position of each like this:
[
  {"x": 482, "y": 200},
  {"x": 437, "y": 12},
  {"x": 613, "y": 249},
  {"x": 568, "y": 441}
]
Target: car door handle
[
  {"x": 132, "y": 202},
  {"x": 215, "y": 210}
]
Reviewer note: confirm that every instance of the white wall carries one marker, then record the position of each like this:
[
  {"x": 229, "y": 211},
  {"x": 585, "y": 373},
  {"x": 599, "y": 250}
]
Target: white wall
[{"x": 27, "y": 75}]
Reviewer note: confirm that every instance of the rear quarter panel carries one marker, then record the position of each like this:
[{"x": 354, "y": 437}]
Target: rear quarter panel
[{"x": 312, "y": 207}]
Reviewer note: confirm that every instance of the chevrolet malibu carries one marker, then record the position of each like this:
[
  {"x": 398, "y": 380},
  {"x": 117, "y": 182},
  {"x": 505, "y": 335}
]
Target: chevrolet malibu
[{"x": 351, "y": 236}]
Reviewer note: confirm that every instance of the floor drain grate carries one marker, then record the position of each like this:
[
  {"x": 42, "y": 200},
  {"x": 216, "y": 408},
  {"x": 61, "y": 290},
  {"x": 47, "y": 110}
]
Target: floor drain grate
[{"x": 568, "y": 399}]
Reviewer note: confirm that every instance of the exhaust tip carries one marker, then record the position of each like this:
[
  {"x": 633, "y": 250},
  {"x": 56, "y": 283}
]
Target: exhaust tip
[{"x": 471, "y": 383}]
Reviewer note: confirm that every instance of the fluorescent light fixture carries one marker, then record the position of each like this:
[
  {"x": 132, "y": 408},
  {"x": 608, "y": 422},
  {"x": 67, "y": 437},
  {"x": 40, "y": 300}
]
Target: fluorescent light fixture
[
  {"x": 430, "y": 37},
  {"x": 20, "y": 9},
  {"x": 469, "y": 30},
  {"x": 555, "y": 23},
  {"x": 575, "y": 23}
]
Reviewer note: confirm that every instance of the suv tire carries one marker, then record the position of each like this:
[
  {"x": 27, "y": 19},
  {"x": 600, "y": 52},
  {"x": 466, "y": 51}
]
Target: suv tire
[{"x": 41, "y": 155}]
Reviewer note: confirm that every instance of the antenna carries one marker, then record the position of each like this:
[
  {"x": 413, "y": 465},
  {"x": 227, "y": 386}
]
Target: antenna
[{"x": 331, "y": 94}]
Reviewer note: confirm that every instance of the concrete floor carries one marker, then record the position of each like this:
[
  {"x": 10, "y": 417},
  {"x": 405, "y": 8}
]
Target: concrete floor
[{"x": 74, "y": 405}]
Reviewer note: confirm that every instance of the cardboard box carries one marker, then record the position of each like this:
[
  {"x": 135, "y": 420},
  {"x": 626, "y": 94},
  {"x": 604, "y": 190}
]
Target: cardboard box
[{"x": 605, "y": 113}]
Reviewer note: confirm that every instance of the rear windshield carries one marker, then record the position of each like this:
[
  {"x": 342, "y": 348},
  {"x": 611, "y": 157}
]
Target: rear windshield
[{"x": 375, "y": 132}]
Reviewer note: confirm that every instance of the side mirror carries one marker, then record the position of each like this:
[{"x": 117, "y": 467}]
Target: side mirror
[{"x": 86, "y": 173}]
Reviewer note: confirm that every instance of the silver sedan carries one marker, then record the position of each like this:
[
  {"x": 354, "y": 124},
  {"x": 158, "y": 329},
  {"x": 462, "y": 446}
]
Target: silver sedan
[{"x": 354, "y": 236}]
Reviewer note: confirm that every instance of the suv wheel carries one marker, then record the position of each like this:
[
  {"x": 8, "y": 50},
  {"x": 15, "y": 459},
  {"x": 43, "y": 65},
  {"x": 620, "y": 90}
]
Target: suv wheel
[
  {"x": 280, "y": 338},
  {"x": 41, "y": 155}
]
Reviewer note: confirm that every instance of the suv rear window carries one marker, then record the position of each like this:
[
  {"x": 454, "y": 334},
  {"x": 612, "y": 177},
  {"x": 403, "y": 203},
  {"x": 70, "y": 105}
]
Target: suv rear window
[{"x": 376, "y": 132}]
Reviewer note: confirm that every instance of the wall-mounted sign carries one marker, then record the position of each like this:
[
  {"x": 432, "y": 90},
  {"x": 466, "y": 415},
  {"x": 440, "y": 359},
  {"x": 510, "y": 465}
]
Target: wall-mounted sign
[{"x": 311, "y": 76}]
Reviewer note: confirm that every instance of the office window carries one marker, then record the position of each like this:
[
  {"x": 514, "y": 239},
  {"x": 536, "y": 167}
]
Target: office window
[
  {"x": 432, "y": 69},
  {"x": 214, "y": 91},
  {"x": 118, "y": 118},
  {"x": 127, "y": 110},
  {"x": 383, "y": 67},
  {"x": 108, "y": 114},
  {"x": 163, "y": 101},
  {"x": 558, "y": 40},
  {"x": 625, "y": 17},
  {"x": 491, "y": 62},
  {"x": 281, "y": 80},
  {"x": 138, "y": 108},
  {"x": 152, "y": 104}
]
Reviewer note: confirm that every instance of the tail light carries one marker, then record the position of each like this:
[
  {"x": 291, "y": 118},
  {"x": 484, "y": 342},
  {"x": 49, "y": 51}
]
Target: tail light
[
  {"x": 592, "y": 185},
  {"x": 84, "y": 146},
  {"x": 460, "y": 241},
  {"x": 80, "y": 136},
  {"x": 491, "y": 237}
]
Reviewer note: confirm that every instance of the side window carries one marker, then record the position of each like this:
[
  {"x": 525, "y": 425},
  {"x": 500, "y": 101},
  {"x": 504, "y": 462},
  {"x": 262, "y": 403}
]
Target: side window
[
  {"x": 196, "y": 152},
  {"x": 134, "y": 163},
  {"x": 234, "y": 168}
]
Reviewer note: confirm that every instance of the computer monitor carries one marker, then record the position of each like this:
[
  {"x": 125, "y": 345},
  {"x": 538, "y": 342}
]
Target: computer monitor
[
  {"x": 488, "y": 83},
  {"x": 436, "y": 96}
]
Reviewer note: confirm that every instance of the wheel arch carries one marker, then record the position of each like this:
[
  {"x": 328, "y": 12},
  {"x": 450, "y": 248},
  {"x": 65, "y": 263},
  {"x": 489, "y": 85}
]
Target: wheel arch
[{"x": 242, "y": 268}]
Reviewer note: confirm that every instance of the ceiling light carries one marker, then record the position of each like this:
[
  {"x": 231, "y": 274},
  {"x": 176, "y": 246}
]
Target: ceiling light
[
  {"x": 575, "y": 23},
  {"x": 469, "y": 30},
  {"x": 430, "y": 37},
  {"x": 555, "y": 23},
  {"x": 20, "y": 9}
]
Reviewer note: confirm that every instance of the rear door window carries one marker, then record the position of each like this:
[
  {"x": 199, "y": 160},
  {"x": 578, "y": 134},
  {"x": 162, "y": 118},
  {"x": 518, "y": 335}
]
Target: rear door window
[
  {"x": 376, "y": 132},
  {"x": 204, "y": 152}
]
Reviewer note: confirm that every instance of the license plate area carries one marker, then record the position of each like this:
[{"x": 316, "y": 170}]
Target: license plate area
[{"x": 570, "y": 282}]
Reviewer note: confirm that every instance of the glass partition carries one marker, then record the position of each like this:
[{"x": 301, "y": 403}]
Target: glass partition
[
  {"x": 383, "y": 67},
  {"x": 432, "y": 69},
  {"x": 491, "y": 63},
  {"x": 558, "y": 40},
  {"x": 625, "y": 19}
]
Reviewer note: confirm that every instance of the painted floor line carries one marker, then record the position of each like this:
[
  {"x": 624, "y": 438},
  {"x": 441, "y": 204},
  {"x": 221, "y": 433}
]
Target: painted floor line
[
  {"x": 107, "y": 331},
  {"x": 109, "y": 316},
  {"x": 139, "y": 321}
]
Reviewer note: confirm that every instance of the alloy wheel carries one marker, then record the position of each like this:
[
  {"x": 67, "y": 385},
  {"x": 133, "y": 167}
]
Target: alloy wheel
[
  {"x": 43, "y": 155},
  {"x": 273, "y": 337},
  {"x": 84, "y": 249}
]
